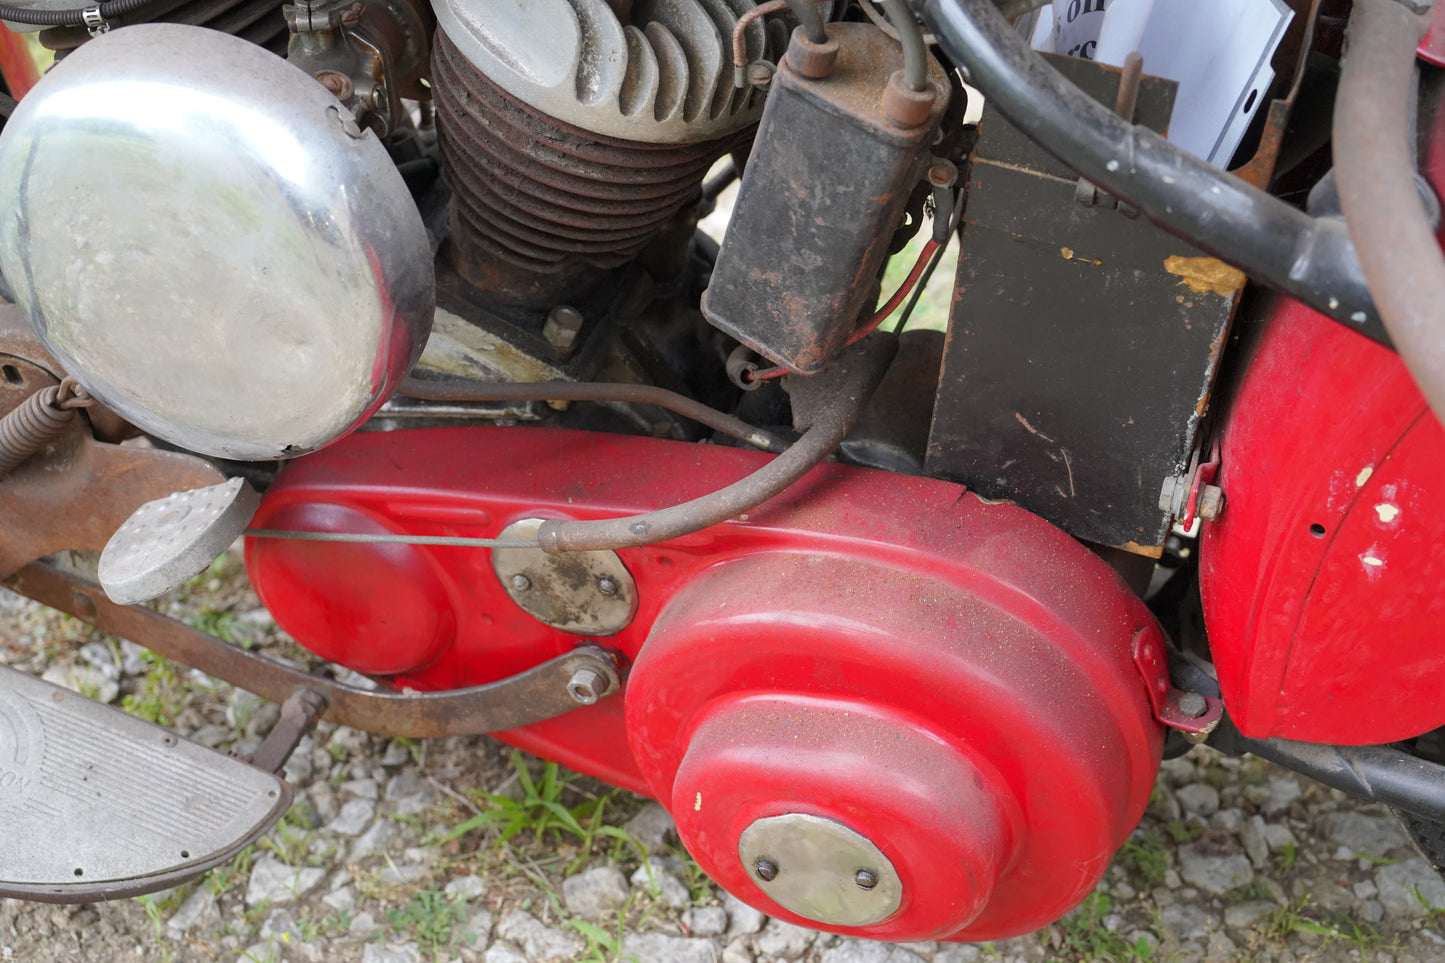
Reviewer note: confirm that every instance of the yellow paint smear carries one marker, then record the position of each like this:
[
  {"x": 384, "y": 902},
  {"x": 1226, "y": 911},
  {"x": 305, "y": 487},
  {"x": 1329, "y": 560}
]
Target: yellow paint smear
[{"x": 1206, "y": 274}]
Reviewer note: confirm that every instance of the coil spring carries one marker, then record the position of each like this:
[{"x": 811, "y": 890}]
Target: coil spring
[{"x": 35, "y": 423}]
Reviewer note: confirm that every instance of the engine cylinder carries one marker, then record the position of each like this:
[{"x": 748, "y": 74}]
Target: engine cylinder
[{"x": 541, "y": 210}]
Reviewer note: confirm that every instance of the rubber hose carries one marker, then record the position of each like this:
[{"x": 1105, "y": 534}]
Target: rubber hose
[
  {"x": 910, "y": 34},
  {"x": 1375, "y": 174},
  {"x": 74, "y": 17},
  {"x": 1309, "y": 258}
]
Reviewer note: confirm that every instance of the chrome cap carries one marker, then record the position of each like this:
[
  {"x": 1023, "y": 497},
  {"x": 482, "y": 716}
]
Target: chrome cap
[{"x": 204, "y": 238}]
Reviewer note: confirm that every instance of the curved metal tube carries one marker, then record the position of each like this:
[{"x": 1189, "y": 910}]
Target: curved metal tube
[
  {"x": 1311, "y": 259},
  {"x": 832, "y": 400},
  {"x": 910, "y": 35},
  {"x": 811, "y": 20},
  {"x": 1375, "y": 773},
  {"x": 602, "y": 391},
  {"x": 1375, "y": 173}
]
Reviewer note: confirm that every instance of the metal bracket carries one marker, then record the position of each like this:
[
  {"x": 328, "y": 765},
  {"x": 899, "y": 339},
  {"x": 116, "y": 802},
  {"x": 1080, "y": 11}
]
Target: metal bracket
[
  {"x": 542, "y": 692},
  {"x": 1189, "y": 712},
  {"x": 94, "y": 22}
]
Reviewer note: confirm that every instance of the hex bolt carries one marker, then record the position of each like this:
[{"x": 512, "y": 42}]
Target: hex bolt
[
  {"x": 586, "y": 686},
  {"x": 1211, "y": 502},
  {"x": 760, "y": 74},
  {"x": 1193, "y": 705},
  {"x": 766, "y": 869},
  {"x": 562, "y": 326},
  {"x": 942, "y": 173},
  {"x": 520, "y": 582},
  {"x": 865, "y": 878},
  {"x": 607, "y": 585}
]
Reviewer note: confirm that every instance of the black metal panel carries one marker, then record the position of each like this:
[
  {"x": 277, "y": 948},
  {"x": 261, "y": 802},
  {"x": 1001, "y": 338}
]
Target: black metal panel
[{"x": 1082, "y": 344}]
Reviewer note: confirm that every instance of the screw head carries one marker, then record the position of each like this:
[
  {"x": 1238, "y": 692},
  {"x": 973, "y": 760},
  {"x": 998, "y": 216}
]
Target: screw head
[
  {"x": 520, "y": 582},
  {"x": 865, "y": 878},
  {"x": 607, "y": 585},
  {"x": 766, "y": 869},
  {"x": 336, "y": 82},
  {"x": 760, "y": 74}
]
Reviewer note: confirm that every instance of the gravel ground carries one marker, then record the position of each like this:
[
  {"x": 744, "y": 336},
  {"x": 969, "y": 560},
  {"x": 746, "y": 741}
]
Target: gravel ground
[{"x": 1236, "y": 860}]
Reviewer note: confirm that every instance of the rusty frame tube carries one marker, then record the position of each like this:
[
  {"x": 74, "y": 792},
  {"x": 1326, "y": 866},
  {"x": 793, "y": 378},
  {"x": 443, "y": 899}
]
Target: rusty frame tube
[
  {"x": 600, "y": 391},
  {"x": 1375, "y": 172}
]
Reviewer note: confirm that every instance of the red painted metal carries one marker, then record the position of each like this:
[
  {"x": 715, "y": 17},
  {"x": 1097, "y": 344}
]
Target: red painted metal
[
  {"x": 1321, "y": 580},
  {"x": 958, "y": 676},
  {"x": 17, "y": 62},
  {"x": 1432, "y": 48}
]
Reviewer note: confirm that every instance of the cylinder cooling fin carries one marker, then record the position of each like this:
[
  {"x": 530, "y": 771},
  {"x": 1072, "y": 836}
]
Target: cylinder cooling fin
[
  {"x": 662, "y": 76},
  {"x": 540, "y": 208}
]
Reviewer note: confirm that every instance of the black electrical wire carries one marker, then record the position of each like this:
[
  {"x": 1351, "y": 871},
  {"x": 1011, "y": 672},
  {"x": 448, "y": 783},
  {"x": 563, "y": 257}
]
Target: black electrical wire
[
  {"x": 910, "y": 34},
  {"x": 1311, "y": 259},
  {"x": 74, "y": 17}
]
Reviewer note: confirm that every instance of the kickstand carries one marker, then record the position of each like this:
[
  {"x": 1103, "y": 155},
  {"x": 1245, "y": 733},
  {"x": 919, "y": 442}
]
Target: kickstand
[{"x": 299, "y": 715}]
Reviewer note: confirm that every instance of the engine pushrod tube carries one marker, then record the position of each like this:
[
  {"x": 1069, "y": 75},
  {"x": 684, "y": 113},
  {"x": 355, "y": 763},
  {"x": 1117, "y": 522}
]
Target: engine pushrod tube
[
  {"x": 1311, "y": 259},
  {"x": 599, "y": 391},
  {"x": 1375, "y": 773}
]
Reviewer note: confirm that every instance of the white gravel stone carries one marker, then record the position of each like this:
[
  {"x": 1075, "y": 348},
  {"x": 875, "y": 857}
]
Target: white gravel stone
[
  {"x": 784, "y": 940},
  {"x": 372, "y": 841},
  {"x": 342, "y": 900},
  {"x": 502, "y": 953},
  {"x": 272, "y": 881},
  {"x": 396, "y": 754},
  {"x": 706, "y": 921},
  {"x": 361, "y": 789},
  {"x": 1186, "y": 921},
  {"x": 1372, "y": 911},
  {"x": 960, "y": 953},
  {"x": 737, "y": 952},
  {"x": 467, "y": 887},
  {"x": 1215, "y": 875},
  {"x": 1242, "y": 916},
  {"x": 661, "y": 948},
  {"x": 653, "y": 828},
  {"x": 1365, "y": 890},
  {"x": 742, "y": 918},
  {"x": 1198, "y": 798},
  {"x": 353, "y": 819},
  {"x": 201, "y": 903},
  {"x": 1221, "y": 947},
  {"x": 653, "y": 878},
  {"x": 595, "y": 893},
  {"x": 1279, "y": 837},
  {"x": 864, "y": 951},
  {"x": 1256, "y": 844},
  {"x": 1410, "y": 889},
  {"x": 391, "y": 953},
  {"x": 1229, "y": 820},
  {"x": 1281, "y": 793},
  {"x": 1365, "y": 834},
  {"x": 479, "y": 925},
  {"x": 361, "y": 925},
  {"x": 88, "y": 681},
  {"x": 541, "y": 944}
]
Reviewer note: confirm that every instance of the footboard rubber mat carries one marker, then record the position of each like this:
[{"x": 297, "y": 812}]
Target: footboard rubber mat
[{"x": 96, "y": 804}]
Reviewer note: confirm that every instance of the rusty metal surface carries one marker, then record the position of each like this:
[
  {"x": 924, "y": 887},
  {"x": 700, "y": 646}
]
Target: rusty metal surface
[
  {"x": 531, "y": 696},
  {"x": 1083, "y": 342},
  {"x": 1259, "y": 169},
  {"x": 821, "y": 197},
  {"x": 542, "y": 210}
]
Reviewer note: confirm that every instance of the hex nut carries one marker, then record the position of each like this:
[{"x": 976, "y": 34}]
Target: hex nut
[
  {"x": 1193, "y": 705},
  {"x": 1211, "y": 502},
  {"x": 562, "y": 327},
  {"x": 587, "y": 686},
  {"x": 808, "y": 59},
  {"x": 904, "y": 107}
]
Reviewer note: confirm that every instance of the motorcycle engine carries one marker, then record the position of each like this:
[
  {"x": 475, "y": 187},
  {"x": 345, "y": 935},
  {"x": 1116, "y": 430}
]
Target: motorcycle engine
[{"x": 878, "y": 706}]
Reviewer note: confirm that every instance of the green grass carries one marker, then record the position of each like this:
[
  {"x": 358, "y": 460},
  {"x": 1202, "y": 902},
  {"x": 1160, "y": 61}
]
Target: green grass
[
  {"x": 428, "y": 919},
  {"x": 161, "y": 692},
  {"x": 1081, "y": 936},
  {"x": 1146, "y": 856}
]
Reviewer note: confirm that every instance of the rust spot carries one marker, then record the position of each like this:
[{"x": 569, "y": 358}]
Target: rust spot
[
  {"x": 1206, "y": 274},
  {"x": 1153, "y": 551}
]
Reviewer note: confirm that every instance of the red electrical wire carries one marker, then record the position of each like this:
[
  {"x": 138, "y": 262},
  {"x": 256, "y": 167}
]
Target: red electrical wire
[{"x": 871, "y": 325}]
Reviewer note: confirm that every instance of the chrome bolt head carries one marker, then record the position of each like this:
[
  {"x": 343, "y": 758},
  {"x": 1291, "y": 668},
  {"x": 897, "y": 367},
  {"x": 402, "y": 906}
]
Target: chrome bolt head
[
  {"x": 865, "y": 878},
  {"x": 607, "y": 586},
  {"x": 766, "y": 869},
  {"x": 520, "y": 582}
]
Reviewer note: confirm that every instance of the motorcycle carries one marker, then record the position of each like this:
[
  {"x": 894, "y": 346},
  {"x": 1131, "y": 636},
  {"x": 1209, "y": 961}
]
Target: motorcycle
[{"x": 897, "y": 624}]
